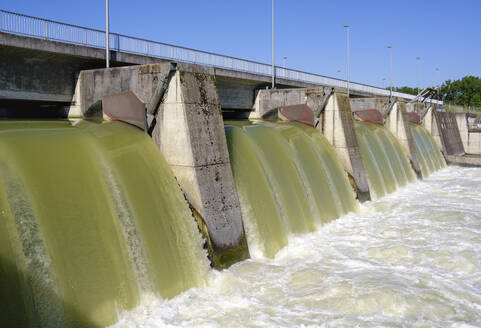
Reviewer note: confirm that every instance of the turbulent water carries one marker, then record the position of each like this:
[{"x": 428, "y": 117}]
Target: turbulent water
[
  {"x": 91, "y": 220},
  {"x": 410, "y": 259}
]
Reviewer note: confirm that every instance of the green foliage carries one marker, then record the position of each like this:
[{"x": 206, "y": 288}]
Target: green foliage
[
  {"x": 464, "y": 92},
  {"x": 406, "y": 89}
]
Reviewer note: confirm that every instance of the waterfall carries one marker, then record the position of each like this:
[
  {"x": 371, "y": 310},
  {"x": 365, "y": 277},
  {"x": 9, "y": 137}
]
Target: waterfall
[{"x": 92, "y": 219}]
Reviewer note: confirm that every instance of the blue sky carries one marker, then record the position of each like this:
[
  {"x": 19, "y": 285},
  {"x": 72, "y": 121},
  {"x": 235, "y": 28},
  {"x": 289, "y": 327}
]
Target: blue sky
[{"x": 446, "y": 34}]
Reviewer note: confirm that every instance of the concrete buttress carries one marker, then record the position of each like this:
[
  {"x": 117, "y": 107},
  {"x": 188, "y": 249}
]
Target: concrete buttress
[
  {"x": 398, "y": 123},
  {"x": 338, "y": 127},
  {"x": 191, "y": 138}
]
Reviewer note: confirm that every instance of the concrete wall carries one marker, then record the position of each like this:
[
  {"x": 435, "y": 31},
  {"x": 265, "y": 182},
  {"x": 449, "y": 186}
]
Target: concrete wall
[
  {"x": 379, "y": 103},
  {"x": 92, "y": 85},
  {"x": 190, "y": 135},
  {"x": 271, "y": 99},
  {"x": 34, "y": 77},
  {"x": 471, "y": 138}
]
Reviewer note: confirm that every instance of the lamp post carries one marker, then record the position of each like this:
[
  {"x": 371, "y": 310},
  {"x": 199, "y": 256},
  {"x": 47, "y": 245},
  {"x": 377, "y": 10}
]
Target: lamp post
[
  {"x": 390, "y": 73},
  {"x": 419, "y": 74},
  {"x": 383, "y": 83},
  {"x": 438, "y": 78},
  {"x": 284, "y": 60},
  {"x": 107, "y": 50},
  {"x": 347, "y": 58},
  {"x": 272, "y": 59}
]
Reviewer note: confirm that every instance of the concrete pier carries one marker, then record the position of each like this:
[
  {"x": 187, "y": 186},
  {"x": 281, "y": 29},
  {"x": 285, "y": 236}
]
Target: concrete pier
[
  {"x": 471, "y": 137},
  {"x": 190, "y": 135}
]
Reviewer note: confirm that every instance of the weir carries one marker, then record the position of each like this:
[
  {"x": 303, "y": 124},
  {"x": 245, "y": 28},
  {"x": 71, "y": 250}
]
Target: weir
[
  {"x": 92, "y": 219},
  {"x": 96, "y": 217}
]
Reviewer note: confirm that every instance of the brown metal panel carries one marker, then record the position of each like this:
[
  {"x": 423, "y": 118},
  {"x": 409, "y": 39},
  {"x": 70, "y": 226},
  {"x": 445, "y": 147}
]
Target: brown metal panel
[
  {"x": 369, "y": 115},
  {"x": 125, "y": 107},
  {"x": 299, "y": 113}
]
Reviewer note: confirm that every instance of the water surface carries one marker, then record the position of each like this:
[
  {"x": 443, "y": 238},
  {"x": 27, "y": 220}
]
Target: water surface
[{"x": 410, "y": 259}]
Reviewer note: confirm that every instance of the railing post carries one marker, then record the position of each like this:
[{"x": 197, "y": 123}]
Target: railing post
[
  {"x": 118, "y": 42},
  {"x": 85, "y": 36},
  {"x": 46, "y": 30},
  {"x": 172, "y": 52}
]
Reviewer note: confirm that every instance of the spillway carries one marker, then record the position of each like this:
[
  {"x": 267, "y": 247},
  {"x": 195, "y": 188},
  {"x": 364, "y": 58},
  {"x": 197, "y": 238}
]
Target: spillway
[
  {"x": 429, "y": 155},
  {"x": 92, "y": 220},
  {"x": 409, "y": 259},
  {"x": 387, "y": 167},
  {"x": 288, "y": 179}
]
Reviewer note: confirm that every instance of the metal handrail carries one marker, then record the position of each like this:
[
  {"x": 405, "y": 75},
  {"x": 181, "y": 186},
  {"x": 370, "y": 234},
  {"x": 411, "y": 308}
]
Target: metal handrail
[{"x": 19, "y": 24}]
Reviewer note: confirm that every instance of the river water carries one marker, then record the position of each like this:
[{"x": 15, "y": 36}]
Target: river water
[{"x": 410, "y": 259}]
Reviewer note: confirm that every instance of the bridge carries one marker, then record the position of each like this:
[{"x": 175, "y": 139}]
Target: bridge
[{"x": 41, "y": 59}]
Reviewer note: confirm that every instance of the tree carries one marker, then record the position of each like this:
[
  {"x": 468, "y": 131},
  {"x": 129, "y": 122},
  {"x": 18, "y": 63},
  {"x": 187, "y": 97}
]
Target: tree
[
  {"x": 464, "y": 92},
  {"x": 405, "y": 89}
]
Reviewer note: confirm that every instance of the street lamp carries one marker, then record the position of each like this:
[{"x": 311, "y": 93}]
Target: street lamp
[
  {"x": 284, "y": 59},
  {"x": 419, "y": 73},
  {"x": 383, "y": 83},
  {"x": 273, "y": 69},
  {"x": 438, "y": 78},
  {"x": 347, "y": 57},
  {"x": 390, "y": 73},
  {"x": 107, "y": 51}
]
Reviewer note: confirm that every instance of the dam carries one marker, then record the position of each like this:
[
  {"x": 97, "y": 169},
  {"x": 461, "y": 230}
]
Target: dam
[{"x": 155, "y": 199}]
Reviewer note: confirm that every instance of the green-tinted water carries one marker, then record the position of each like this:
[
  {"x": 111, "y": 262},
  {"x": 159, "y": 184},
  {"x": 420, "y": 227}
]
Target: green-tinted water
[
  {"x": 288, "y": 180},
  {"x": 386, "y": 165},
  {"x": 429, "y": 155},
  {"x": 91, "y": 219}
]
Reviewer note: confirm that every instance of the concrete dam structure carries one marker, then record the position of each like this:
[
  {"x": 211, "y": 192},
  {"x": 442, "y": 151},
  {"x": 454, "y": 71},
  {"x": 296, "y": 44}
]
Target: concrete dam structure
[
  {"x": 96, "y": 215},
  {"x": 166, "y": 193}
]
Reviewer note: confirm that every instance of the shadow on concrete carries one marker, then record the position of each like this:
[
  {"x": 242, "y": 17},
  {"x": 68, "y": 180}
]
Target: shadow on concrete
[{"x": 32, "y": 109}]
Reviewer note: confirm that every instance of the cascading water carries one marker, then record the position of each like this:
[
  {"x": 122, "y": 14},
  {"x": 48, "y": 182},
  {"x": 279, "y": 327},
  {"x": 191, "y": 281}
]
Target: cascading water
[
  {"x": 387, "y": 167},
  {"x": 288, "y": 180},
  {"x": 429, "y": 155},
  {"x": 91, "y": 220}
]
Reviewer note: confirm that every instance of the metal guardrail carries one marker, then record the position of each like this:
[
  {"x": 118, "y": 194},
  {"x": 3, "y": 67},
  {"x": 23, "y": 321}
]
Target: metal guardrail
[{"x": 40, "y": 28}]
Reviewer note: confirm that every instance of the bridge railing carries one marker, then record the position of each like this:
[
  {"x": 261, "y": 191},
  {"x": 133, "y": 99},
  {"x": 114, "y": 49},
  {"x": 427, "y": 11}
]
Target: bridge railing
[{"x": 35, "y": 27}]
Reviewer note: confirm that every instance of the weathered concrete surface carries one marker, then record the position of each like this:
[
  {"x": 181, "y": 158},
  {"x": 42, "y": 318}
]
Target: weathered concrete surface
[
  {"x": 466, "y": 160},
  {"x": 193, "y": 142},
  {"x": 418, "y": 108},
  {"x": 93, "y": 85},
  {"x": 471, "y": 138},
  {"x": 379, "y": 103},
  {"x": 398, "y": 123},
  {"x": 271, "y": 100},
  {"x": 338, "y": 127}
]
